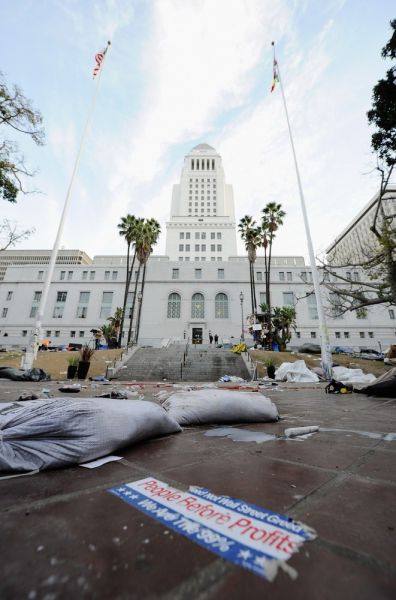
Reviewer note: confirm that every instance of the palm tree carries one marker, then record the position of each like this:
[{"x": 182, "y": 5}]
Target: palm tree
[
  {"x": 250, "y": 234},
  {"x": 128, "y": 227},
  {"x": 283, "y": 320},
  {"x": 115, "y": 324},
  {"x": 147, "y": 233},
  {"x": 271, "y": 220}
]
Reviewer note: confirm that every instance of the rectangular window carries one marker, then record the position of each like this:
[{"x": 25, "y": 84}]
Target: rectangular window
[
  {"x": 72, "y": 334},
  {"x": 390, "y": 311},
  {"x": 371, "y": 334},
  {"x": 348, "y": 275},
  {"x": 62, "y": 275},
  {"x": 259, "y": 276},
  {"x": 61, "y": 296},
  {"x": 281, "y": 276},
  {"x": 298, "y": 334},
  {"x": 212, "y": 235},
  {"x": 203, "y": 236},
  {"x": 37, "y": 296},
  {"x": 107, "y": 301},
  {"x": 48, "y": 333},
  {"x": 9, "y": 295},
  {"x": 114, "y": 275},
  {"x": 197, "y": 235},
  {"x": 289, "y": 276},
  {"x": 262, "y": 298},
  {"x": 212, "y": 258},
  {"x": 107, "y": 275},
  {"x": 33, "y": 312},
  {"x": 92, "y": 275},
  {"x": 288, "y": 299},
  {"x": 58, "y": 312},
  {"x": 196, "y": 259},
  {"x": 181, "y": 247},
  {"x": 220, "y": 273},
  {"x": 187, "y": 247},
  {"x": 303, "y": 275},
  {"x": 312, "y": 308},
  {"x": 81, "y": 334},
  {"x": 213, "y": 247},
  {"x": 82, "y": 308},
  {"x": 203, "y": 247},
  {"x": 35, "y": 304},
  {"x": 57, "y": 333},
  {"x": 326, "y": 276},
  {"x": 196, "y": 247},
  {"x": 24, "y": 332},
  {"x": 218, "y": 247},
  {"x": 187, "y": 235},
  {"x": 346, "y": 334},
  {"x": 175, "y": 273},
  {"x": 4, "y": 313},
  {"x": 362, "y": 334},
  {"x": 355, "y": 276},
  {"x": 313, "y": 335},
  {"x": 218, "y": 235},
  {"x": 40, "y": 275},
  {"x": 70, "y": 275},
  {"x": 338, "y": 334},
  {"x": 59, "y": 305},
  {"x": 198, "y": 273},
  {"x": 336, "y": 306},
  {"x": 181, "y": 235},
  {"x": 187, "y": 259},
  {"x": 84, "y": 275}
]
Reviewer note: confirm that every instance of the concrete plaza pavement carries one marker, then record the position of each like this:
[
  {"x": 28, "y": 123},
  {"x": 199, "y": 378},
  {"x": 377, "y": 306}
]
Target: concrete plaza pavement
[{"x": 63, "y": 535}]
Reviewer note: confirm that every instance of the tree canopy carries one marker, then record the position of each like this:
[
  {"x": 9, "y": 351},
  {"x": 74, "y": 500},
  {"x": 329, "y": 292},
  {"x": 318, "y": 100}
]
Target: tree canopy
[{"x": 17, "y": 115}]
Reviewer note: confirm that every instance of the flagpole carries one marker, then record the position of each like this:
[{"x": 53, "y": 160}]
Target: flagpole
[
  {"x": 327, "y": 362},
  {"x": 31, "y": 351}
]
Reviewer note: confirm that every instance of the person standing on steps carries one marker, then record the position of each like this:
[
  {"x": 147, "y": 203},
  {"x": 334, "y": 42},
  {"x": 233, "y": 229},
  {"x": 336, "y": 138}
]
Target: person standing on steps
[
  {"x": 210, "y": 337},
  {"x": 216, "y": 338}
]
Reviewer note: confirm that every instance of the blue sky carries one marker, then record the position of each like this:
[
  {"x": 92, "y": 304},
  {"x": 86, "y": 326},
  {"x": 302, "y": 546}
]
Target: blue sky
[{"x": 182, "y": 72}]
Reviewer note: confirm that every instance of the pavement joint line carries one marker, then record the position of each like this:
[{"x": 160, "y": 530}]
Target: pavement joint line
[
  {"x": 361, "y": 558},
  {"x": 200, "y": 586}
]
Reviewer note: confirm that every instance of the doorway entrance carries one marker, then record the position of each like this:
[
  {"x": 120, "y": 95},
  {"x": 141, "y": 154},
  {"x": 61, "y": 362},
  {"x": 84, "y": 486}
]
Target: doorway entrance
[{"x": 197, "y": 335}]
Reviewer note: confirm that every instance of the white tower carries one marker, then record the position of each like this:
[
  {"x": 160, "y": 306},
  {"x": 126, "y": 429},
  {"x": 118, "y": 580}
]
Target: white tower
[{"x": 202, "y": 220}]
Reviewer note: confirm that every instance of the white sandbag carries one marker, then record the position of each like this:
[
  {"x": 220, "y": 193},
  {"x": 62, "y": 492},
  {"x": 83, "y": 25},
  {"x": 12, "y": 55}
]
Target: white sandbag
[
  {"x": 220, "y": 406},
  {"x": 46, "y": 434},
  {"x": 296, "y": 371},
  {"x": 352, "y": 375}
]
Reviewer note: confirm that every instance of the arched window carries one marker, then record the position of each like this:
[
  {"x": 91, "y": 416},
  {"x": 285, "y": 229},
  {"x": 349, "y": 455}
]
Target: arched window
[
  {"x": 197, "y": 306},
  {"x": 221, "y": 306},
  {"x": 174, "y": 302}
]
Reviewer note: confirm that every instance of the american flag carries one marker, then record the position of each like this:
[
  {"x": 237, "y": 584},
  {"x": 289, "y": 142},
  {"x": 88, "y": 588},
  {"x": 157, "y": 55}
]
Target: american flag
[{"x": 99, "y": 59}]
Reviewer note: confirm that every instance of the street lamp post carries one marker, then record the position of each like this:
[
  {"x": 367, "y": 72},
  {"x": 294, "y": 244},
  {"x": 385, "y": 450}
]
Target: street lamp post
[{"x": 241, "y": 299}]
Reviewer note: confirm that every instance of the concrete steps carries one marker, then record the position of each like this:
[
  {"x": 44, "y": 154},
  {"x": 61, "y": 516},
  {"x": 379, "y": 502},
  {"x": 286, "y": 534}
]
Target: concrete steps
[{"x": 203, "y": 363}]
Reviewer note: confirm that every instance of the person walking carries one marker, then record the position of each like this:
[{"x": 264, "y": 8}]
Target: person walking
[
  {"x": 216, "y": 338},
  {"x": 210, "y": 337}
]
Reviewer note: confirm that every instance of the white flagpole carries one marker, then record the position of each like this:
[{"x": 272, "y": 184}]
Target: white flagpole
[
  {"x": 327, "y": 361},
  {"x": 31, "y": 351}
]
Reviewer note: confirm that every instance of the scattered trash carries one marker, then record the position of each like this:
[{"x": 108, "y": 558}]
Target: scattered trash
[
  {"x": 220, "y": 406},
  {"x": 47, "y": 434},
  {"x": 99, "y": 378},
  {"x": 352, "y": 375},
  {"x": 21, "y": 375},
  {"x": 383, "y": 387},
  {"x": 296, "y": 431},
  {"x": 73, "y": 388},
  {"x": 233, "y": 378},
  {"x": 27, "y": 396},
  {"x": 295, "y": 372},
  {"x": 100, "y": 461},
  {"x": 337, "y": 387},
  {"x": 245, "y": 534}
]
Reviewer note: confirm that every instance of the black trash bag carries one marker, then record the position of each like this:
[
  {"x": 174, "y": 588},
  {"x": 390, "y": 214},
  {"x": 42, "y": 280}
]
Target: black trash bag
[
  {"x": 21, "y": 375},
  {"x": 383, "y": 387},
  {"x": 337, "y": 387}
]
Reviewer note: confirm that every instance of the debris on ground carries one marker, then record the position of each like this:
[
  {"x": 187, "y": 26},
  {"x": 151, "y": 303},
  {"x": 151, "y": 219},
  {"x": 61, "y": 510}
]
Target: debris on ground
[
  {"x": 220, "y": 406},
  {"x": 233, "y": 378},
  {"x": 292, "y": 432},
  {"x": 346, "y": 375},
  {"x": 22, "y": 375},
  {"x": 48, "y": 434},
  {"x": 295, "y": 372},
  {"x": 383, "y": 387}
]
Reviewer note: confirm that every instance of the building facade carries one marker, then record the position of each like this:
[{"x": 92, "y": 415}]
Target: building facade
[{"x": 200, "y": 286}]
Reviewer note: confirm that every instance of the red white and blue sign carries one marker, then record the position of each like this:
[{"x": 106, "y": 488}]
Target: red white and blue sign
[{"x": 247, "y": 535}]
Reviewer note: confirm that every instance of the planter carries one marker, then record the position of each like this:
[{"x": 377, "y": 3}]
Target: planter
[
  {"x": 71, "y": 371},
  {"x": 271, "y": 371},
  {"x": 83, "y": 368}
]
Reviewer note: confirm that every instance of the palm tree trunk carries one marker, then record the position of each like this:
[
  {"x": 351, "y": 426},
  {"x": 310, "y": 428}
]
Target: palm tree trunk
[
  {"x": 254, "y": 290},
  {"x": 251, "y": 285},
  {"x": 269, "y": 290},
  {"x": 133, "y": 306},
  {"x": 127, "y": 284},
  {"x": 140, "y": 304}
]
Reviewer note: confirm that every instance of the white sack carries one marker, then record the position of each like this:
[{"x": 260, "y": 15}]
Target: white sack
[
  {"x": 44, "y": 434},
  {"x": 352, "y": 375},
  {"x": 220, "y": 406},
  {"x": 296, "y": 371}
]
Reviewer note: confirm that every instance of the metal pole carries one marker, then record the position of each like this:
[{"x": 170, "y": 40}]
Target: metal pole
[
  {"x": 36, "y": 333},
  {"x": 324, "y": 334},
  {"x": 242, "y": 333}
]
